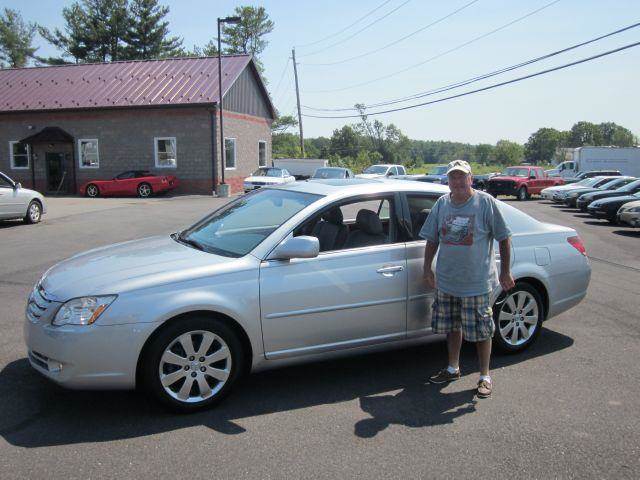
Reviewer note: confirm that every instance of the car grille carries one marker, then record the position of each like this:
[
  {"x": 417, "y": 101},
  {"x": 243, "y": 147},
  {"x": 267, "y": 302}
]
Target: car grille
[
  {"x": 500, "y": 186},
  {"x": 39, "y": 307}
]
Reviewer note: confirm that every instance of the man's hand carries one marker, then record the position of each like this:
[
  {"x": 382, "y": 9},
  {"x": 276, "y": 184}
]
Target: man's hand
[
  {"x": 506, "y": 281},
  {"x": 429, "y": 278}
]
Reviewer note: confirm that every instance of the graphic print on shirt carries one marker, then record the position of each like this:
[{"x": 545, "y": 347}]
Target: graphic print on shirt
[{"x": 458, "y": 230}]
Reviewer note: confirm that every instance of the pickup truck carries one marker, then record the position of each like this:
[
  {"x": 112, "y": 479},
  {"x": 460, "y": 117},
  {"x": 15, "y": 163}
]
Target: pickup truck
[{"x": 521, "y": 182}]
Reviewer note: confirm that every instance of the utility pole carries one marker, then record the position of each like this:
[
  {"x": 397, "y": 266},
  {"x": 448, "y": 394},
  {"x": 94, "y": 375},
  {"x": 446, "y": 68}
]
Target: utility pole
[{"x": 295, "y": 73}]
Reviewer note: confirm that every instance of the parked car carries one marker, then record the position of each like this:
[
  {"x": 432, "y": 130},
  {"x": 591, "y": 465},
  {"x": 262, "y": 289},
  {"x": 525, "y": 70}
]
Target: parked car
[
  {"x": 592, "y": 173},
  {"x": 585, "y": 200},
  {"x": 571, "y": 198},
  {"x": 287, "y": 274},
  {"x": 382, "y": 171},
  {"x": 607, "y": 208},
  {"x": 629, "y": 213},
  {"x": 560, "y": 192},
  {"x": 267, "y": 176},
  {"x": 437, "y": 174},
  {"x": 18, "y": 202},
  {"x": 332, "y": 172},
  {"x": 132, "y": 182},
  {"x": 521, "y": 182},
  {"x": 480, "y": 180}
]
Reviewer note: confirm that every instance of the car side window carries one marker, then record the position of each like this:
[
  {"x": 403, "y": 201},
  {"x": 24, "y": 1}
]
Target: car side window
[
  {"x": 285, "y": 173},
  {"x": 353, "y": 224},
  {"x": 419, "y": 209},
  {"x": 402, "y": 171},
  {"x": 125, "y": 175},
  {"x": 5, "y": 183}
]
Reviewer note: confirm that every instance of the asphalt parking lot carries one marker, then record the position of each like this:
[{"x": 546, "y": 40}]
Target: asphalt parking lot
[{"x": 565, "y": 408}]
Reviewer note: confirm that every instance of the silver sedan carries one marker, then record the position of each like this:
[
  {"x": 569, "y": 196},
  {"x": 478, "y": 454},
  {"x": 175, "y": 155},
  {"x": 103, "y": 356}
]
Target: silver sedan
[
  {"x": 18, "y": 202},
  {"x": 301, "y": 272}
]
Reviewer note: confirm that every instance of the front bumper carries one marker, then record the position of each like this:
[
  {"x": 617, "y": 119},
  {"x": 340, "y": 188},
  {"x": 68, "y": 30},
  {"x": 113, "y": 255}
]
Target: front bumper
[
  {"x": 86, "y": 357},
  {"x": 630, "y": 218},
  {"x": 598, "y": 212},
  {"x": 501, "y": 188}
]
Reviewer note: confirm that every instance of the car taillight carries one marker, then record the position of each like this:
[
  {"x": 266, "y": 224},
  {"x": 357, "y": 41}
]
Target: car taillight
[
  {"x": 164, "y": 179},
  {"x": 576, "y": 242}
]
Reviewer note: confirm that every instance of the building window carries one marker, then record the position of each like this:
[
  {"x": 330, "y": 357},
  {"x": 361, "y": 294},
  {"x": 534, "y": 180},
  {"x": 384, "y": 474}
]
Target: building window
[
  {"x": 88, "y": 153},
  {"x": 166, "y": 152},
  {"x": 262, "y": 153},
  {"x": 20, "y": 154},
  {"x": 230, "y": 153}
]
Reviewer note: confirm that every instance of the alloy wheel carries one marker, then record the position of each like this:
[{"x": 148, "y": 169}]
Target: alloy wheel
[
  {"x": 518, "y": 318},
  {"x": 144, "y": 190},
  {"x": 195, "y": 366},
  {"x": 92, "y": 191},
  {"x": 34, "y": 212}
]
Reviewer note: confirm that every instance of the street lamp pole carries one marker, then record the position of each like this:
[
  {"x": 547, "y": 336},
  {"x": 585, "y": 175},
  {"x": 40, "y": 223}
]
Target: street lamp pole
[{"x": 224, "y": 190}]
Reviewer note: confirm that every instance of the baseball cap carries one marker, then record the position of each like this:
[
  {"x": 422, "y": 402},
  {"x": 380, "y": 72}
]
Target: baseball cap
[{"x": 460, "y": 165}]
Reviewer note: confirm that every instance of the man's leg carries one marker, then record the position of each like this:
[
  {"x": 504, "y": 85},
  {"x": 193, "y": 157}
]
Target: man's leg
[
  {"x": 484, "y": 355},
  {"x": 454, "y": 343}
]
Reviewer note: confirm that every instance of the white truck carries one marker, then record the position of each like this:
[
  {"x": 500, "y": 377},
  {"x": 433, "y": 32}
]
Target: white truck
[
  {"x": 301, "y": 168},
  {"x": 585, "y": 159}
]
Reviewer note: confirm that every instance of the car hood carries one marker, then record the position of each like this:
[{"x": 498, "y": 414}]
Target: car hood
[
  {"x": 506, "y": 177},
  {"x": 264, "y": 179},
  {"x": 369, "y": 175},
  {"x": 612, "y": 200},
  {"x": 605, "y": 194},
  {"x": 129, "y": 266}
]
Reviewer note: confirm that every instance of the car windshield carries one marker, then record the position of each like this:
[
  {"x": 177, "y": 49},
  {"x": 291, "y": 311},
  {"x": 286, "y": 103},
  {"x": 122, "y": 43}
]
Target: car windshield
[
  {"x": 587, "y": 182},
  {"x": 377, "y": 169},
  {"x": 516, "y": 172},
  {"x": 328, "y": 173},
  {"x": 630, "y": 187},
  {"x": 438, "y": 171},
  {"x": 615, "y": 183},
  {"x": 268, "y": 172},
  {"x": 240, "y": 226}
]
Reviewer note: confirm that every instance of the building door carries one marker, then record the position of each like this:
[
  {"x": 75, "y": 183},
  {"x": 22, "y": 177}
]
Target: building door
[{"x": 56, "y": 173}]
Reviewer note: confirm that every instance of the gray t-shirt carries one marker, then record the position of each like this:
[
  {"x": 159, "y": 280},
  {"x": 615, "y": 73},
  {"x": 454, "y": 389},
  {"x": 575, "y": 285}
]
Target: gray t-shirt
[{"x": 466, "y": 264}]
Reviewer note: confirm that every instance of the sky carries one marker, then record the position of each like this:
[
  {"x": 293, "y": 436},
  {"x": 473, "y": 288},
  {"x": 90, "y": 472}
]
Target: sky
[{"x": 605, "y": 89}]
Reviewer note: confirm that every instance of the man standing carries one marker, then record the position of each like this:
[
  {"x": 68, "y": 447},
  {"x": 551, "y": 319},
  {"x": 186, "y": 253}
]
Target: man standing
[{"x": 463, "y": 226}]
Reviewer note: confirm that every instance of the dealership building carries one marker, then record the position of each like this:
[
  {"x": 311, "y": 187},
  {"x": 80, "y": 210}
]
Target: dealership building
[{"x": 61, "y": 126}]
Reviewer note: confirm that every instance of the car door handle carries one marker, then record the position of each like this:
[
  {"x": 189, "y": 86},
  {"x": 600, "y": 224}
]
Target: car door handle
[{"x": 390, "y": 271}]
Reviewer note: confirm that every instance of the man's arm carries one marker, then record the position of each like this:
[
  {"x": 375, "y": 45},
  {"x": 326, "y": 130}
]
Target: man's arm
[
  {"x": 429, "y": 252},
  {"x": 506, "y": 280}
]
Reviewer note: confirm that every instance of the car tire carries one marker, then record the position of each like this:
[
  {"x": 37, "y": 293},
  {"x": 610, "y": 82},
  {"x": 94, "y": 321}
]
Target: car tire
[
  {"x": 144, "y": 190},
  {"x": 34, "y": 212},
  {"x": 515, "y": 330},
  {"x": 92, "y": 191},
  {"x": 522, "y": 194},
  {"x": 187, "y": 383}
]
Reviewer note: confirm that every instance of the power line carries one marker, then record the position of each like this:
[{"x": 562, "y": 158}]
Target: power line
[
  {"x": 495, "y": 85},
  {"x": 357, "y": 32},
  {"x": 371, "y": 52},
  {"x": 284, "y": 70},
  {"x": 345, "y": 28},
  {"x": 462, "y": 45},
  {"x": 451, "y": 86}
]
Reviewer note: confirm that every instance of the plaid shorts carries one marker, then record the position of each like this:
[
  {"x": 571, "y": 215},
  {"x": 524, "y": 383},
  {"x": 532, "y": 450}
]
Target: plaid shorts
[{"x": 471, "y": 314}]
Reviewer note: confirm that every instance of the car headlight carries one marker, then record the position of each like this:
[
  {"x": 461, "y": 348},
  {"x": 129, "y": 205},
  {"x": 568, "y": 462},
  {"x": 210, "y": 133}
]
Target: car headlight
[
  {"x": 247, "y": 184},
  {"x": 82, "y": 311},
  {"x": 633, "y": 209}
]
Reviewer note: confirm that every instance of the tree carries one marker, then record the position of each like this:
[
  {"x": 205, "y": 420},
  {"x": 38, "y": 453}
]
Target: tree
[
  {"x": 345, "y": 142},
  {"x": 617, "y": 135},
  {"x": 484, "y": 153},
  {"x": 147, "y": 34},
  {"x": 585, "y": 133},
  {"x": 247, "y": 37},
  {"x": 283, "y": 123},
  {"x": 285, "y": 145},
  {"x": 95, "y": 31},
  {"x": 508, "y": 153},
  {"x": 542, "y": 144},
  {"x": 15, "y": 39}
]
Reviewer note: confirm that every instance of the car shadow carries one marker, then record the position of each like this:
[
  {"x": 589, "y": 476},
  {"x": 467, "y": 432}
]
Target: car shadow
[
  {"x": 11, "y": 223},
  {"x": 628, "y": 233},
  {"x": 599, "y": 223},
  {"x": 38, "y": 413}
]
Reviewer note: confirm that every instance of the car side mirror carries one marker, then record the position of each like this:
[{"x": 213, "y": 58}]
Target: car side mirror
[
  {"x": 532, "y": 176},
  {"x": 17, "y": 186},
  {"x": 389, "y": 174},
  {"x": 296, "y": 247}
]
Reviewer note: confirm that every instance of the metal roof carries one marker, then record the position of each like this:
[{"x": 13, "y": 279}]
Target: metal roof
[{"x": 176, "y": 81}]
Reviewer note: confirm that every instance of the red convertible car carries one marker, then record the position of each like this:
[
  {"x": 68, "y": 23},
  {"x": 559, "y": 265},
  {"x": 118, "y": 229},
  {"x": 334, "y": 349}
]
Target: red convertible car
[{"x": 132, "y": 182}]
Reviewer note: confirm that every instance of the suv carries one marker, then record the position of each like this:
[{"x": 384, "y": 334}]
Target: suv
[
  {"x": 381, "y": 171},
  {"x": 521, "y": 182}
]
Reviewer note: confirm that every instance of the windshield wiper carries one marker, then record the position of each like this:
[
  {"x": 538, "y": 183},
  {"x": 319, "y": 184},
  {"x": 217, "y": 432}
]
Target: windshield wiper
[{"x": 188, "y": 241}]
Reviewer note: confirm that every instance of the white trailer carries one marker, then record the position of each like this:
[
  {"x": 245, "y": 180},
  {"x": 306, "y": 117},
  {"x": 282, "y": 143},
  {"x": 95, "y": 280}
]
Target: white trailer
[
  {"x": 586, "y": 159},
  {"x": 300, "y": 168}
]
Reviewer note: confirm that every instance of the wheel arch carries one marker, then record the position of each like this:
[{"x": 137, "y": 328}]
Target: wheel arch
[
  {"x": 236, "y": 327},
  {"x": 542, "y": 290}
]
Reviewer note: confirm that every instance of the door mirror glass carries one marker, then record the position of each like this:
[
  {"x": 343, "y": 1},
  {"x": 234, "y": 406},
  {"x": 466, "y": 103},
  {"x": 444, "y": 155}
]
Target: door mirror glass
[
  {"x": 17, "y": 186},
  {"x": 296, "y": 247}
]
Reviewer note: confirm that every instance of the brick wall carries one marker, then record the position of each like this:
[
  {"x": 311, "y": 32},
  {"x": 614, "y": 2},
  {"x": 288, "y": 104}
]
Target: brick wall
[{"x": 126, "y": 142}]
